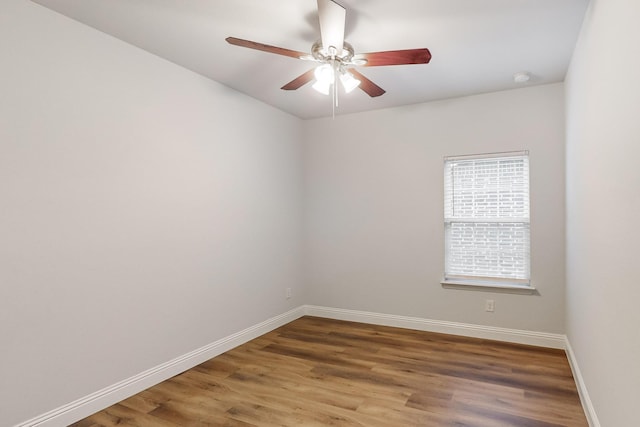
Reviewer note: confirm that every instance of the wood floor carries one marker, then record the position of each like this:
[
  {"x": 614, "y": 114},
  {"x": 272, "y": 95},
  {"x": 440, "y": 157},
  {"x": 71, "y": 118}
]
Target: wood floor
[{"x": 320, "y": 372}]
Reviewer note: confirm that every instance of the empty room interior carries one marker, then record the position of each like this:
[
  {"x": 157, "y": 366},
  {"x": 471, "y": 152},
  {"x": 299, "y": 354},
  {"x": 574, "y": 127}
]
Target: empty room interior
[{"x": 171, "y": 217}]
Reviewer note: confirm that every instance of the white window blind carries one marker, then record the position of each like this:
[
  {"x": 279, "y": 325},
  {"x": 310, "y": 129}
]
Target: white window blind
[{"x": 486, "y": 217}]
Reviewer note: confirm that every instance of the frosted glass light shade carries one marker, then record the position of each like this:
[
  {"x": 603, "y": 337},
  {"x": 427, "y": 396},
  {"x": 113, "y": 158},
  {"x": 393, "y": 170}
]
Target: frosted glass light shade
[
  {"x": 322, "y": 87},
  {"x": 324, "y": 73},
  {"x": 348, "y": 81}
]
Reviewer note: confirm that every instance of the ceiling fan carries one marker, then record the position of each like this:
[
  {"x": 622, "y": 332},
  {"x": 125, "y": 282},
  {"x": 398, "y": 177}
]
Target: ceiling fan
[{"x": 336, "y": 57}]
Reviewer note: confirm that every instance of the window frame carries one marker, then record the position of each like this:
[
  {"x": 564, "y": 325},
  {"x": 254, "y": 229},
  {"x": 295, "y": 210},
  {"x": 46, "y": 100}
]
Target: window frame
[{"x": 462, "y": 281}]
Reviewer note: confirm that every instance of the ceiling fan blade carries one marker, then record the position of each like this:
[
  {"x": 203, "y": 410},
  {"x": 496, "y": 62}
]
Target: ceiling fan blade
[
  {"x": 367, "y": 85},
  {"x": 332, "y": 18},
  {"x": 265, "y": 47},
  {"x": 299, "y": 81},
  {"x": 395, "y": 57}
]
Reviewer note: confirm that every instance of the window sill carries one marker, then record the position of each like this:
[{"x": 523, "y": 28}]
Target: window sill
[{"x": 489, "y": 287}]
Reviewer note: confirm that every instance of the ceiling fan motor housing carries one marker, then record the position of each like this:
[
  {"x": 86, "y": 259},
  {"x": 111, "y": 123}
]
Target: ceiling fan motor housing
[{"x": 321, "y": 54}]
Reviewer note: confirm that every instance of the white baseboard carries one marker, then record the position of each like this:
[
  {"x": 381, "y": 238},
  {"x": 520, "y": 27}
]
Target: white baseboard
[
  {"x": 81, "y": 408},
  {"x": 541, "y": 339},
  {"x": 587, "y": 405}
]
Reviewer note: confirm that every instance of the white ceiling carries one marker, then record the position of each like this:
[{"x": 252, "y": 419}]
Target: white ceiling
[{"x": 477, "y": 45}]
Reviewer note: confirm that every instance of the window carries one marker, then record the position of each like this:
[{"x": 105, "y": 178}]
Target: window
[{"x": 486, "y": 220}]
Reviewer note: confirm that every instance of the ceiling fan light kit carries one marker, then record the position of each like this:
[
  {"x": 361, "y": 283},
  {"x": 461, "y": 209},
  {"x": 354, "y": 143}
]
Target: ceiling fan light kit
[
  {"x": 325, "y": 76},
  {"x": 337, "y": 59}
]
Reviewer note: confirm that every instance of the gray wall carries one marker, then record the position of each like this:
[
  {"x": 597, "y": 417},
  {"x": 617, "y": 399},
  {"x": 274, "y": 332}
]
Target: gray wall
[
  {"x": 603, "y": 207},
  {"x": 145, "y": 211},
  {"x": 374, "y": 206}
]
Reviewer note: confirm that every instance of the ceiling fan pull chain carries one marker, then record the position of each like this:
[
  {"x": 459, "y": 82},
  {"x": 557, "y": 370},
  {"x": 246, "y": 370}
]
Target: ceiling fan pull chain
[
  {"x": 336, "y": 75},
  {"x": 335, "y": 86},
  {"x": 334, "y": 103}
]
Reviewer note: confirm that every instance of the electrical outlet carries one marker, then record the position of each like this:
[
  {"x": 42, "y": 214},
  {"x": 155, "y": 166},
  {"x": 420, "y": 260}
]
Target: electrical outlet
[
  {"x": 490, "y": 305},
  {"x": 287, "y": 293}
]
